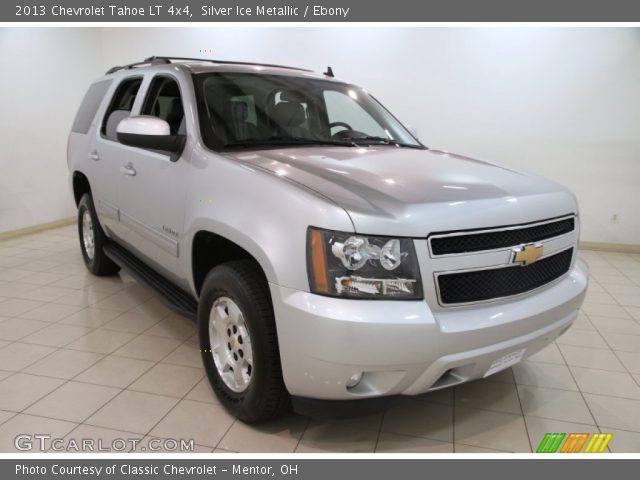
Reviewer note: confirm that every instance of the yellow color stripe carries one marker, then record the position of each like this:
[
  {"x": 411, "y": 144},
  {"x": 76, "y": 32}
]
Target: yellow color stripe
[
  {"x": 598, "y": 442},
  {"x": 607, "y": 439},
  {"x": 590, "y": 444},
  {"x": 596, "y": 445}
]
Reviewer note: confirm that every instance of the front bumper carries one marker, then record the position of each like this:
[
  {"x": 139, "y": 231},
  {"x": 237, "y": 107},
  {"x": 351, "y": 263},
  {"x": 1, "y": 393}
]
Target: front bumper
[{"x": 403, "y": 347}]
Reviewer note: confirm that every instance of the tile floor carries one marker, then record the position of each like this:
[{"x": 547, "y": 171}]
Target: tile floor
[{"x": 83, "y": 357}]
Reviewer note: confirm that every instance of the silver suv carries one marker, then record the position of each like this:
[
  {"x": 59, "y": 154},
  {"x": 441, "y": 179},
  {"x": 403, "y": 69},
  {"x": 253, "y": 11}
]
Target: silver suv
[{"x": 325, "y": 253}]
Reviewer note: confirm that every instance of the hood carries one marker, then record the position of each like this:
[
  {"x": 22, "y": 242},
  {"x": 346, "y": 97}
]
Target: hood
[{"x": 400, "y": 191}]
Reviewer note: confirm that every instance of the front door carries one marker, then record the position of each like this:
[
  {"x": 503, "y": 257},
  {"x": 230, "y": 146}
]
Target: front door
[{"x": 154, "y": 187}]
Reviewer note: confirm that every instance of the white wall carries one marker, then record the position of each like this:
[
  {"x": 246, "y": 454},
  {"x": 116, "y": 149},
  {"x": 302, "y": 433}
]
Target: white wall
[
  {"x": 561, "y": 102},
  {"x": 45, "y": 73}
]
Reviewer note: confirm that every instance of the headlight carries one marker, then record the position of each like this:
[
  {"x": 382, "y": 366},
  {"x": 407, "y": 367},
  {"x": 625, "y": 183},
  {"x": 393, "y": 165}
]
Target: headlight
[{"x": 358, "y": 266}]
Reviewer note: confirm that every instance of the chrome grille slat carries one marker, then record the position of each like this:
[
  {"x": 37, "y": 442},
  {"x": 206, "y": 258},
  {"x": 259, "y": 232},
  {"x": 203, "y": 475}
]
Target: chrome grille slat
[{"x": 457, "y": 243}]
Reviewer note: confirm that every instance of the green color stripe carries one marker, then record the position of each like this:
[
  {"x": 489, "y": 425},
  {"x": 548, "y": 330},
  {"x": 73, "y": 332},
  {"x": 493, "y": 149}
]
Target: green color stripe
[
  {"x": 555, "y": 446},
  {"x": 550, "y": 442},
  {"x": 543, "y": 443}
]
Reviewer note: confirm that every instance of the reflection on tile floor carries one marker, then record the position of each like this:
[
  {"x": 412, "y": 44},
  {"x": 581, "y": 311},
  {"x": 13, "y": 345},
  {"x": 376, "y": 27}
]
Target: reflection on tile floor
[{"x": 86, "y": 357}]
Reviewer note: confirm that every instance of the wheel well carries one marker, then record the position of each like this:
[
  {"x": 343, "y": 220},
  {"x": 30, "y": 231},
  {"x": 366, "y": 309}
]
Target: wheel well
[
  {"x": 80, "y": 186},
  {"x": 210, "y": 250}
]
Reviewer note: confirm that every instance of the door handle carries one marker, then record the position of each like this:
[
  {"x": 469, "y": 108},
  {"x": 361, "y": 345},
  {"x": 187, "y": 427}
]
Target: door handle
[
  {"x": 128, "y": 170},
  {"x": 94, "y": 156}
]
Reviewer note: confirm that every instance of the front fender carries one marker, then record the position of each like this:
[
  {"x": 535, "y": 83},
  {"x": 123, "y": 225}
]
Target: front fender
[{"x": 265, "y": 215}]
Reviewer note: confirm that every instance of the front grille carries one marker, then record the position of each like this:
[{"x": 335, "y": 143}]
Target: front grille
[
  {"x": 480, "y": 285},
  {"x": 475, "y": 242}
]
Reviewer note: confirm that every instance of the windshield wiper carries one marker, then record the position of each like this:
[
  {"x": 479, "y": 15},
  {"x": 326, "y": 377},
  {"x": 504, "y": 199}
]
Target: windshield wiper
[
  {"x": 286, "y": 141},
  {"x": 368, "y": 139}
]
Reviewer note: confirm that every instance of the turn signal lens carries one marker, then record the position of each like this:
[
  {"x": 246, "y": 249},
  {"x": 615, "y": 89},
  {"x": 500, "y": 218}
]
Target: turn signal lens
[{"x": 318, "y": 267}]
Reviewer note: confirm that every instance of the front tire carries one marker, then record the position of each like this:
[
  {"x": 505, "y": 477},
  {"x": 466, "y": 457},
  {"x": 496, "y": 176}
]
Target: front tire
[
  {"x": 239, "y": 343},
  {"x": 93, "y": 239}
]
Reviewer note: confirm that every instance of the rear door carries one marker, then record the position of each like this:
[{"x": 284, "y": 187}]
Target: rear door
[{"x": 107, "y": 154}]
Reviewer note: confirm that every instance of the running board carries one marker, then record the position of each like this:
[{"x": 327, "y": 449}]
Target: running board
[{"x": 173, "y": 296}]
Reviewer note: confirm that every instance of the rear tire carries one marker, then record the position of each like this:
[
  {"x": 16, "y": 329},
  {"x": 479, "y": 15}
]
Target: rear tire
[
  {"x": 93, "y": 239},
  {"x": 239, "y": 343}
]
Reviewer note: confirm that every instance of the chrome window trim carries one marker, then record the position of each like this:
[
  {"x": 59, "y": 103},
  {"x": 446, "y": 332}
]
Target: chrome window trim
[
  {"x": 498, "y": 229},
  {"x": 499, "y": 266}
]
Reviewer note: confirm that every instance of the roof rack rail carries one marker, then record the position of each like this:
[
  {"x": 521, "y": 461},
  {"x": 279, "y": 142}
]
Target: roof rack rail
[
  {"x": 146, "y": 61},
  {"x": 167, "y": 60}
]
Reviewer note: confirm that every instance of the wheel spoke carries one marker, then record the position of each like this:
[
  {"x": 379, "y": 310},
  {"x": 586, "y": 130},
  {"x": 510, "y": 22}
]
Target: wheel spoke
[
  {"x": 238, "y": 376},
  {"x": 247, "y": 352},
  {"x": 234, "y": 313},
  {"x": 230, "y": 344},
  {"x": 226, "y": 362},
  {"x": 219, "y": 319},
  {"x": 220, "y": 312}
]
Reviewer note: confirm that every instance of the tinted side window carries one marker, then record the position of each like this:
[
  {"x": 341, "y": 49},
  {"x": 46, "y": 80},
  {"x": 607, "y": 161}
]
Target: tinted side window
[
  {"x": 164, "y": 101},
  {"x": 89, "y": 106},
  {"x": 123, "y": 99}
]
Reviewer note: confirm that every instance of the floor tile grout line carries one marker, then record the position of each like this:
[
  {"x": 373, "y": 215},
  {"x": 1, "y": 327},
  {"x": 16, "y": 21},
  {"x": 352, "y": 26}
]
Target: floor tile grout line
[
  {"x": 375, "y": 445},
  {"x": 183, "y": 397},
  {"x": 61, "y": 385},
  {"x": 80, "y": 307},
  {"x": 178, "y": 400},
  {"x": 65, "y": 381},
  {"x": 304, "y": 430},
  {"x": 573, "y": 391},
  {"x": 18, "y": 340},
  {"x": 131, "y": 340},
  {"x": 123, "y": 388},
  {"x": 84, "y": 422},
  {"x": 524, "y": 420},
  {"x": 94, "y": 426},
  {"x": 581, "y": 366},
  {"x": 12, "y": 414},
  {"x": 581, "y": 393},
  {"x": 122, "y": 391},
  {"x": 60, "y": 378},
  {"x": 484, "y": 448},
  {"x": 235, "y": 420},
  {"x": 615, "y": 353}
]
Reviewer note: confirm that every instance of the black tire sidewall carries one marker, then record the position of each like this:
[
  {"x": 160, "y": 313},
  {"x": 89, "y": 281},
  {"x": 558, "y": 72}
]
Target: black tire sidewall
[{"x": 222, "y": 281}]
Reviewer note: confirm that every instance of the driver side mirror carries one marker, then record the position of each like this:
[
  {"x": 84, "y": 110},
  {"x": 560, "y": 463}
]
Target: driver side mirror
[{"x": 149, "y": 132}]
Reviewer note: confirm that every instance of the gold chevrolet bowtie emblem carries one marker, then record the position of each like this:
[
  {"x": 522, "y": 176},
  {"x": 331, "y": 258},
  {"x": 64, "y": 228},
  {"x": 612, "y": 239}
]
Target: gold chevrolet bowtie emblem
[{"x": 527, "y": 254}]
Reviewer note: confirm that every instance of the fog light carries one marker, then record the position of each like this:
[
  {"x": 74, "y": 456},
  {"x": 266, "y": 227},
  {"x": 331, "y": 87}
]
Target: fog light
[{"x": 354, "y": 380}]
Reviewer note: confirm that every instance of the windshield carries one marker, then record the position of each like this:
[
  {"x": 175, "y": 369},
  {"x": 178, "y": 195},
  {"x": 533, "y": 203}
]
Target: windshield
[{"x": 239, "y": 110}]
